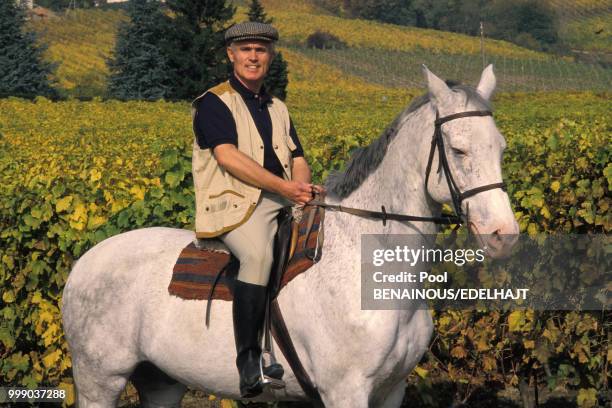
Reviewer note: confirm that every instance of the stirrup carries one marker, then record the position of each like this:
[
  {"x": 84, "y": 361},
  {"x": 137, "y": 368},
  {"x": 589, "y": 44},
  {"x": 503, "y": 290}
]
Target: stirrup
[{"x": 273, "y": 383}]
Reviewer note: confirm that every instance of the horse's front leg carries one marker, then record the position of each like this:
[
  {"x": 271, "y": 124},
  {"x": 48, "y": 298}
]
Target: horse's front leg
[
  {"x": 395, "y": 397},
  {"x": 359, "y": 394},
  {"x": 350, "y": 391}
]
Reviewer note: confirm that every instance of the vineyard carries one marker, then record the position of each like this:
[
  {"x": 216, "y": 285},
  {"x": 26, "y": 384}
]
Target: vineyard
[
  {"x": 68, "y": 183},
  {"x": 73, "y": 173},
  {"x": 81, "y": 40},
  {"x": 297, "y": 26},
  {"x": 402, "y": 69}
]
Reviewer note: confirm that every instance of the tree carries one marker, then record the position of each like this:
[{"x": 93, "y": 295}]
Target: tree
[
  {"x": 139, "y": 69},
  {"x": 526, "y": 22},
  {"x": 59, "y": 5},
  {"x": 529, "y": 23},
  {"x": 22, "y": 69},
  {"x": 55, "y": 5},
  {"x": 194, "y": 45},
  {"x": 277, "y": 80},
  {"x": 256, "y": 13}
]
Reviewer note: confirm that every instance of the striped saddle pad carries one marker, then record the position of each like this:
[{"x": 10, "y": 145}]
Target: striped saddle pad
[{"x": 199, "y": 262}]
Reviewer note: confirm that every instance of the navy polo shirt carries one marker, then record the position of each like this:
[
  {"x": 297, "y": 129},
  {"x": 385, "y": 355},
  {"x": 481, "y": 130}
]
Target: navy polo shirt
[{"x": 215, "y": 125}]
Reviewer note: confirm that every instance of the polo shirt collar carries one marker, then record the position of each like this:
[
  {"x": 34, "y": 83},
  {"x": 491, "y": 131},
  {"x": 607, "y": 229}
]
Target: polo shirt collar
[{"x": 246, "y": 93}]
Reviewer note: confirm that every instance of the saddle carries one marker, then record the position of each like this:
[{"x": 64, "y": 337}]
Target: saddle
[{"x": 206, "y": 269}]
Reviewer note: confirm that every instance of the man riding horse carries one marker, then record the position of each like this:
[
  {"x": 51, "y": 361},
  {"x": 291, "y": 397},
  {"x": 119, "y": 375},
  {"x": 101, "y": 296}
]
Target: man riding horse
[{"x": 248, "y": 164}]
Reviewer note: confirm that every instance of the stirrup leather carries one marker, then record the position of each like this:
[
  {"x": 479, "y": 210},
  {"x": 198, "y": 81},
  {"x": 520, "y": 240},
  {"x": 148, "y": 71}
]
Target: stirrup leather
[{"x": 274, "y": 383}]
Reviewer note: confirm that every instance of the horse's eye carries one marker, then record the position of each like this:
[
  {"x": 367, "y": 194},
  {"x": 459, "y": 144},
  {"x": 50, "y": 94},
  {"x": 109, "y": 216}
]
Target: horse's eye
[{"x": 458, "y": 152}]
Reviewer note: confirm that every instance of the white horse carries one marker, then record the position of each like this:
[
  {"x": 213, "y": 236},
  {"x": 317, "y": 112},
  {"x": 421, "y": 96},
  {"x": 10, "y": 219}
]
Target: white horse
[{"x": 121, "y": 323}]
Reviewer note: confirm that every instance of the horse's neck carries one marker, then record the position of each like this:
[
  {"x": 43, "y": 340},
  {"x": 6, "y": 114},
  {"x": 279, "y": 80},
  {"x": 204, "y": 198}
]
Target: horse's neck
[{"x": 398, "y": 183}]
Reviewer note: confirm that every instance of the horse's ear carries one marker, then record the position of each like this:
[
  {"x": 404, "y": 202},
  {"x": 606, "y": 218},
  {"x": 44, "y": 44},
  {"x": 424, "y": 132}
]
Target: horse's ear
[
  {"x": 487, "y": 83},
  {"x": 438, "y": 90}
]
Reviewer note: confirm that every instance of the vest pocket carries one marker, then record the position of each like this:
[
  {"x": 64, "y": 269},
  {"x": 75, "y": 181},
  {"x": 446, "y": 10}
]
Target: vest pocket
[
  {"x": 225, "y": 192},
  {"x": 224, "y": 203}
]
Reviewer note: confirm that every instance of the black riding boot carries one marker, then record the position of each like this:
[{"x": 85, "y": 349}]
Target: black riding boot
[{"x": 249, "y": 308}]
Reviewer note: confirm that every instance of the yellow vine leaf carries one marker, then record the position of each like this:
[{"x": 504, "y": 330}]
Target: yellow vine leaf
[
  {"x": 8, "y": 296},
  {"x": 138, "y": 192},
  {"x": 108, "y": 196},
  {"x": 50, "y": 335},
  {"x": 516, "y": 320},
  {"x": 80, "y": 212},
  {"x": 63, "y": 203},
  {"x": 95, "y": 221},
  {"x": 555, "y": 186},
  {"x": 79, "y": 217},
  {"x": 458, "y": 352},
  {"x": 8, "y": 261},
  {"x": 483, "y": 344},
  {"x": 69, "y": 388},
  {"x": 489, "y": 363},
  {"x": 51, "y": 358},
  {"x": 227, "y": 403},
  {"x": 421, "y": 372},
  {"x": 36, "y": 298},
  {"x": 95, "y": 175},
  {"x": 587, "y": 397}
]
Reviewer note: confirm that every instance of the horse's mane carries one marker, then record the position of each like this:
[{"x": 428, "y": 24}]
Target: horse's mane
[{"x": 366, "y": 159}]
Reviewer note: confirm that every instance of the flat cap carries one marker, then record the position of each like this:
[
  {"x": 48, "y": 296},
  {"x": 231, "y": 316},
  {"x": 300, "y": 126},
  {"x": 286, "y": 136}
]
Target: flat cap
[{"x": 251, "y": 30}]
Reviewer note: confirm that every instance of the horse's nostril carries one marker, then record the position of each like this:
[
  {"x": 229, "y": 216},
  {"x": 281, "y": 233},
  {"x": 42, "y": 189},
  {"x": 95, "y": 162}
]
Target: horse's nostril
[
  {"x": 501, "y": 241},
  {"x": 495, "y": 240}
]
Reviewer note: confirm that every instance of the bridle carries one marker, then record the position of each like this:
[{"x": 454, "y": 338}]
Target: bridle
[
  {"x": 457, "y": 197},
  {"x": 437, "y": 141}
]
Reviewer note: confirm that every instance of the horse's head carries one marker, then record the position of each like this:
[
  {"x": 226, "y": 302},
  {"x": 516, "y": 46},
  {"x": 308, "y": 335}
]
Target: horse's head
[{"x": 473, "y": 147}]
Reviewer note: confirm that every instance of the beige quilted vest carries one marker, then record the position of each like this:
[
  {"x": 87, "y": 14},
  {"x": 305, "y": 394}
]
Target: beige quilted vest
[{"x": 223, "y": 202}]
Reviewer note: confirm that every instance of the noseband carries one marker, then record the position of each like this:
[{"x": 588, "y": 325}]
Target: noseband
[
  {"x": 437, "y": 142},
  {"x": 457, "y": 197}
]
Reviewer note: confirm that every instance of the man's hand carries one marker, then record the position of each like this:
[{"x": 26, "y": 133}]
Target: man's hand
[
  {"x": 319, "y": 189},
  {"x": 301, "y": 172},
  {"x": 297, "y": 191}
]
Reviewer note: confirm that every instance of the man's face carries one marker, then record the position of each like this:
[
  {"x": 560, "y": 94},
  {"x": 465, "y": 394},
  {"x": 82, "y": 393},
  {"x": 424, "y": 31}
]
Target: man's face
[{"x": 251, "y": 59}]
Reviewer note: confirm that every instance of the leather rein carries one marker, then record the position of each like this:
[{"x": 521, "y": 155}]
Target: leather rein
[{"x": 457, "y": 197}]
